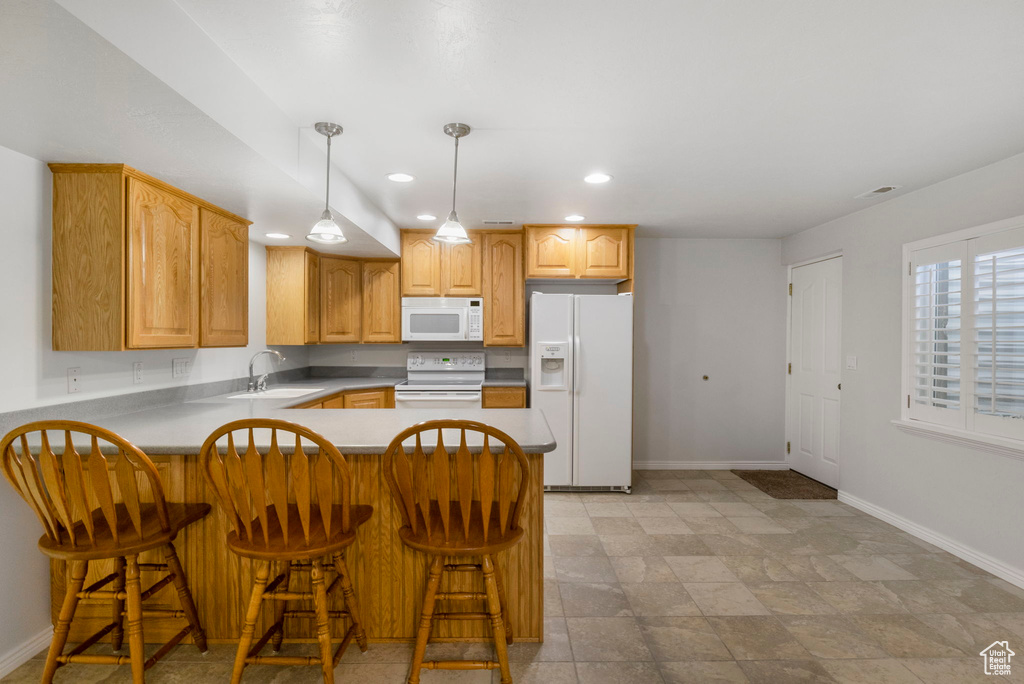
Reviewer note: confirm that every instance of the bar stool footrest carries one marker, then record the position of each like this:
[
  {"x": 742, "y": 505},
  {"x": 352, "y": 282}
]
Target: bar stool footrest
[{"x": 461, "y": 665}]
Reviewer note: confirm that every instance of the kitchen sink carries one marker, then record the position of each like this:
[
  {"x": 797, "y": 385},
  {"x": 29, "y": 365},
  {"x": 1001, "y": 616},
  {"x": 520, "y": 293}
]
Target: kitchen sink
[{"x": 278, "y": 393}]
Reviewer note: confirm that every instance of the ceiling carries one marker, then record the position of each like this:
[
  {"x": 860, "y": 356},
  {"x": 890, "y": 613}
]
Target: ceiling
[
  {"x": 755, "y": 118},
  {"x": 716, "y": 119}
]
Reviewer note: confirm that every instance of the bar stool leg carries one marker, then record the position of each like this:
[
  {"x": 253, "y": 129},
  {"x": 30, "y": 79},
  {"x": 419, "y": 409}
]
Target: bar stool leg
[
  {"x": 77, "y": 570},
  {"x": 252, "y": 614},
  {"x": 117, "y": 636},
  {"x": 323, "y": 630},
  {"x": 185, "y": 597},
  {"x": 427, "y": 616},
  {"x": 350, "y": 600},
  {"x": 281, "y": 606},
  {"x": 504, "y": 603},
  {"x": 136, "y": 639},
  {"x": 494, "y": 608}
]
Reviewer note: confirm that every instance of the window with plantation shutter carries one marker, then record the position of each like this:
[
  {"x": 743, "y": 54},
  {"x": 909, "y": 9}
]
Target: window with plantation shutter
[{"x": 964, "y": 338}]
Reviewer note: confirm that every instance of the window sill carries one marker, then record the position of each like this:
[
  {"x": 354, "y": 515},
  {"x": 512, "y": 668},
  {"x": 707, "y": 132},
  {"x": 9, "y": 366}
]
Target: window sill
[{"x": 1011, "y": 448}]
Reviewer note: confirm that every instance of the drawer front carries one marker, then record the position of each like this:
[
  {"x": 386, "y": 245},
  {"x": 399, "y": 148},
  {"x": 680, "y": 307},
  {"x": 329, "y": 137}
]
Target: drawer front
[{"x": 504, "y": 397}]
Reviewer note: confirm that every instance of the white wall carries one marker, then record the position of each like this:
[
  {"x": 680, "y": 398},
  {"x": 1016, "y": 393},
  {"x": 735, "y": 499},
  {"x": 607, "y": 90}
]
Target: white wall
[
  {"x": 715, "y": 308},
  {"x": 33, "y": 375},
  {"x": 964, "y": 495}
]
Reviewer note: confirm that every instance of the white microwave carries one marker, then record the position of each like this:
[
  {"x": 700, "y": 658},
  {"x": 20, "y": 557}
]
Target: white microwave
[{"x": 442, "y": 319}]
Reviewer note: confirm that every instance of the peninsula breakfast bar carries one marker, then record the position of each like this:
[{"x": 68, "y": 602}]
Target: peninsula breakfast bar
[{"x": 389, "y": 578}]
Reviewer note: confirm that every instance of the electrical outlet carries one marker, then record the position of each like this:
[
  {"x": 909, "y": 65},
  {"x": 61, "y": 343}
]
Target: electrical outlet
[
  {"x": 137, "y": 373},
  {"x": 352, "y": 355},
  {"x": 73, "y": 380},
  {"x": 180, "y": 368},
  {"x": 508, "y": 355}
]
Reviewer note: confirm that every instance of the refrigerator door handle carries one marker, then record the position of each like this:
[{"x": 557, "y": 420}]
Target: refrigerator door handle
[{"x": 576, "y": 351}]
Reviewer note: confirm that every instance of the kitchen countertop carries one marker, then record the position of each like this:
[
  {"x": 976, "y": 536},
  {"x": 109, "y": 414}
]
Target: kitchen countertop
[
  {"x": 504, "y": 383},
  {"x": 182, "y": 428}
]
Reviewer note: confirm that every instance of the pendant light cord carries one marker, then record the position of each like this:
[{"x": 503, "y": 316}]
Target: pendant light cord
[
  {"x": 455, "y": 176},
  {"x": 327, "y": 198}
]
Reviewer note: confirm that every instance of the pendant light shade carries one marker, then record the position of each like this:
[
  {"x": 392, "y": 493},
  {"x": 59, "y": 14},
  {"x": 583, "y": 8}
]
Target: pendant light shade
[
  {"x": 326, "y": 231},
  {"x": 452, "y": 232}
]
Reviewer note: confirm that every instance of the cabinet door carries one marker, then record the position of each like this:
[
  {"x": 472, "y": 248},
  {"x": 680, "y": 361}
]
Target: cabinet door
[
  {"x": 382, "y": 315},
  {"x": 550, "y": 252},
  {"x": 163, "y": 268},
  {"x": 224, "y": 303},
  {"x": 602, "y": 253},
  {"x": 504, "y": 290},
  {"x": 460, "y": 269},
  {"x": 341, "y": 299},
  {"x": 334, "y": 402},
  {"x": 504, "y": 397},
  {"x": 421, "y": 265},
  {"x": 312, "y": 298},
  {"x": 366, "y": 399}
]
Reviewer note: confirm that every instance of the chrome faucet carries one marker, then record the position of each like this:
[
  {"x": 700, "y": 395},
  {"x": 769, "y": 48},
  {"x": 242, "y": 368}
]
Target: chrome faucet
[{"x": 260, "y": 384}]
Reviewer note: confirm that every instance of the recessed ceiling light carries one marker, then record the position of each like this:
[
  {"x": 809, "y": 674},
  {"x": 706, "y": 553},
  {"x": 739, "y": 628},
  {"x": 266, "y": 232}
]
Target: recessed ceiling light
[
  {"x": 427, "y": 217},
  {"x": 278, "y": 236},
  {"x": 597, "y": 178},
  {"x": 574, "y": 217},
  {"x": 401, "y": 177}
]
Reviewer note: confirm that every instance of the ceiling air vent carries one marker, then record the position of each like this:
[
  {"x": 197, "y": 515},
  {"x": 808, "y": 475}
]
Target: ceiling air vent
[
  {"x": 878, "y": 192},
  {"x": 499, "y": 223}
]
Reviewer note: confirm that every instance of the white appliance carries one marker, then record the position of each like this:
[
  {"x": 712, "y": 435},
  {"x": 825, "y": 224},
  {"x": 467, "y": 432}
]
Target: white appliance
[
  {"x": 444, "y": 319},
  {"x": 442, "y": 380},
  {"x": 581, "y": 376}
]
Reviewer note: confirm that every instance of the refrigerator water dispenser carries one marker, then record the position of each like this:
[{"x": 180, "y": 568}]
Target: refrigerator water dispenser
[{"x": 553, "y": 366}]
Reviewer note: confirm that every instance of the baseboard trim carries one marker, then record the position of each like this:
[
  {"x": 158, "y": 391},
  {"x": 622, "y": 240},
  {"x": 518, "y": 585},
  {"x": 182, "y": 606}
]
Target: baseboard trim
[
  {"x": 973, "y": 556},
  {"x": 710, "y": 465},
  {"x": 19, "y": 655}
]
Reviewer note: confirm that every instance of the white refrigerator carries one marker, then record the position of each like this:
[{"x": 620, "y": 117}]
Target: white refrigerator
[{"x": 581, "y": 377}]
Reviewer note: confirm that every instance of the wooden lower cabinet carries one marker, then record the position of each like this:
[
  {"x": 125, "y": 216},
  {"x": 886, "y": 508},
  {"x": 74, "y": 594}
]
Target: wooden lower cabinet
[
  {"x": 504, "y": 397},
  {"x": 388, "y": 576},
  {"x": 382, "y": 398},
  {"x": 374, "y": 399}
]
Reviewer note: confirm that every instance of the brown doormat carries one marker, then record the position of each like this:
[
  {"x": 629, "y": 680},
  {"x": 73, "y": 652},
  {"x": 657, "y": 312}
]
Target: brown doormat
[{"x": 786, "y": 484}]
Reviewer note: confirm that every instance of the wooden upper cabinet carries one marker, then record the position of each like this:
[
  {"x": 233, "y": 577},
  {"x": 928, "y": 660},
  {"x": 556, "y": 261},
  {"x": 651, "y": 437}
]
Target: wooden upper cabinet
[
  {"x": 421, "y": 265},
  {"x": 341, "y": 299},
  {"x": 293, "y": 296},
  {"x": 311, "y": 298},
  {"x": 382, "y": 302},
  {"x": 140, "y": 264},
  {"x": 602, "y": 252},
  {"x": 550, "y": 252},
  {"x": 163, "y": 272},
  {"x": 461, "y": 269},
  {"x": 224, "y": 309},
  {"x": 504, "y": 290}
]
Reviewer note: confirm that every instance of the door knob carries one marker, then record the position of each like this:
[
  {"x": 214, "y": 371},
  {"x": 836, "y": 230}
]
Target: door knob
[{"x": 839, "y": 386}]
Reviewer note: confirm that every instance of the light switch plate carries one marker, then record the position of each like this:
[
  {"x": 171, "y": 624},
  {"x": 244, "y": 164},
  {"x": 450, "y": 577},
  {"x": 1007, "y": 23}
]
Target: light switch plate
[
  {"x": 851, "y": 363},
  {"x": 137, "y": 373},
  {"x": 180, "y": 368}
]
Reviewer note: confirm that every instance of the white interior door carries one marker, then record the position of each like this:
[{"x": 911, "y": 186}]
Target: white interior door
[{"x": 815, "y": 353}]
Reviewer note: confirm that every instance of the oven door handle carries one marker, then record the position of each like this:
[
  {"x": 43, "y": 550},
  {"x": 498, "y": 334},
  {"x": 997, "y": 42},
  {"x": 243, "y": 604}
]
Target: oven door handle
[{"x": 436, "y": 397}]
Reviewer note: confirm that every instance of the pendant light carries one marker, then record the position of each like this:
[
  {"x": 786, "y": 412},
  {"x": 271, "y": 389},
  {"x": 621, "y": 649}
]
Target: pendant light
[
  {"x": 326, "y": 231},
  {"x": 452, "y": 231}
]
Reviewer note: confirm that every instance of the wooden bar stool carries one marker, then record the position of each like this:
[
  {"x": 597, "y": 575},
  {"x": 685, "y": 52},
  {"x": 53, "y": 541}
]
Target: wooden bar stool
[
  {"x": 466, "y": 504},
  {"x": 295, "y": 510},
  {"x": 94, "y": 509}
]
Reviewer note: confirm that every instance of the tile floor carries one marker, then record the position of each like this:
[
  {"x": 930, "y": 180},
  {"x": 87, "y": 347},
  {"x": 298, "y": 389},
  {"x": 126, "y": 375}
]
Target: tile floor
[{"x": 699, "y": 577}]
